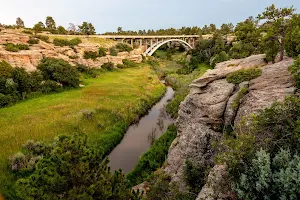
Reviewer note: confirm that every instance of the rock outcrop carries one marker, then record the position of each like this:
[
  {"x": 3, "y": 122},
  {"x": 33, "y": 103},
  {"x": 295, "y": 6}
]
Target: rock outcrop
[
  {"x": 29, "y": 59},
  {"x": 209, "y": 106}
]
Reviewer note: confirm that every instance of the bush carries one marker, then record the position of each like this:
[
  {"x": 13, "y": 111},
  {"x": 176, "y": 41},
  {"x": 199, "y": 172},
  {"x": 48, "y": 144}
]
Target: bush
[
  {"x": 113, "y": 51},
  {"x": 71, "y": 169},
  {"x": 292, "y": 41},
  {"x": 60, "y": 71},
  {"x": 101, "y": 52},
  {"x": 221, "y": 57},
  {"x": 195, "y": 175},
  {"x": 65, "y": 42},
  {"x": 43, "y": 38},
  {"x": 90, "y": 72},
  {"x": 271, "y": 48},
  {"x": 6, "y": 100},
  {"x": 154, "y": 158},
  {"x": 90, "y": 55},
  {"x": 295, "y": 71},
  {"x": 242, "y": 75},
  {"x": 270, "y": 178},
  {"x": 50, "y": 86},
  {"x": 27, "y": 32},
  {"x": 241, "y": 50},
  {"x": 129, "y": 63},
  {"x": 33, "y": 41},
  {"x": 16, "y": 47},
  {"x": 5, "y": 69},
  {"x": 121, "y": 47},
  {"x": 108, "y": 66}
]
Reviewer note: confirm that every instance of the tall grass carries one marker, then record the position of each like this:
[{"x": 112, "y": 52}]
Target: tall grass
[{"x": 115, "y": 97}]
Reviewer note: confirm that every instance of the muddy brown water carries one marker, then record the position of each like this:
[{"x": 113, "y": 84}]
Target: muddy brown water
[{"x": 139, "y": 137}]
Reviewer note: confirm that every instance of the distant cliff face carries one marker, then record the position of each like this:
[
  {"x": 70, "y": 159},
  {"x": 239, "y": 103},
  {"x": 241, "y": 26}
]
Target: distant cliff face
[
  {"x": 29, "y": 59},
  {"x": 209, "y": 107}
]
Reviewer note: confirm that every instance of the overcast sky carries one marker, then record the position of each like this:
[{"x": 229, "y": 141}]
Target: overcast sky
[{"x": 107, "y": 15}]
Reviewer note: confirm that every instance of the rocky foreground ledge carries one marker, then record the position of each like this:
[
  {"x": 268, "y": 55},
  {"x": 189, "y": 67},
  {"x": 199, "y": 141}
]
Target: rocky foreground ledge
[{"x": 210, "y": 105}]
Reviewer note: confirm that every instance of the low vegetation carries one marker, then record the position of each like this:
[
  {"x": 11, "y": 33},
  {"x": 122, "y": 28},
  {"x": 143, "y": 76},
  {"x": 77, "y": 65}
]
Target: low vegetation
[
  {"x": 16, "y": 47},
  {"x": 154, "y": 158},
  {"x": 33, "y": 40},
  {"x": 93, "y": 54},
  {"x": 120, "y": 47},
  {"x": 64, "y": 42},
  {"x": 242, "y": 75},
  {"x": 43, "y": 38}
]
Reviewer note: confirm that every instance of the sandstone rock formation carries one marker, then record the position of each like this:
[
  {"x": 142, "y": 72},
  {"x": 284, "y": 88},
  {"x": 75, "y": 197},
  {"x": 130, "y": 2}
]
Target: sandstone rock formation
[
  {"x": 29, "y": 59},
  {"x": 209, "y": 105}
]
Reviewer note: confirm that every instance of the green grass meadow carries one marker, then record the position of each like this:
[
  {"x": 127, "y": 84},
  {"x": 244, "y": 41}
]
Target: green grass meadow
[{"x": 115, "y": 98}]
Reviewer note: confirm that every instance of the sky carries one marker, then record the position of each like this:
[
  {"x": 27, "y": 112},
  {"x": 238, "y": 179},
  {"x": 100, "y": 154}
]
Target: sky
[{"x": 107, "y": 15}]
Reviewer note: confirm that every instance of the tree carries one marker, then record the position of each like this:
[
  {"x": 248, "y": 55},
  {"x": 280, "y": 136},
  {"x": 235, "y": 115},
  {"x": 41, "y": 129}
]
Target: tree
[
  {"x": 61, "y": 30},
  {"x": 20, "y": 23},
  {"x": 292, "y": 43},
  {"x": 50, "y": 23},
  {"x": 226, "y": 28},
  {"x": 87, "y": 28},
  {"x": 276, "y": 24},
  {"x": 38, "y": 27},
  {"x": 120, "y": 30},
  {"x": 213, "y": 27},
  {"x": 68, "y": 168},
  {"x": 72, "y": 29}
]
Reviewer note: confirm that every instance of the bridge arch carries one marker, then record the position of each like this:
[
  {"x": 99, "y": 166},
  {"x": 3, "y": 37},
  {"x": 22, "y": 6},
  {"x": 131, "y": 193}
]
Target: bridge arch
[{"x": 156, "y": 46}]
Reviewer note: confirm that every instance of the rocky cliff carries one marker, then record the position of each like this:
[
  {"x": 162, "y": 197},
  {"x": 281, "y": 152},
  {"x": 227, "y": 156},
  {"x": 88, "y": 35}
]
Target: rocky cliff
[
  {"x": 29, "y": 59},
  {"x": 209, "y": 106}
]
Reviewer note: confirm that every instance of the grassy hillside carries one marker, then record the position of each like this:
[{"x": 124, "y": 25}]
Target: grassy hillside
[{"x": 115, "y": 98}]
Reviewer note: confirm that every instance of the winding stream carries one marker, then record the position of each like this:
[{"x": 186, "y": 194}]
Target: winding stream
[{"x": 139, "y": 137}]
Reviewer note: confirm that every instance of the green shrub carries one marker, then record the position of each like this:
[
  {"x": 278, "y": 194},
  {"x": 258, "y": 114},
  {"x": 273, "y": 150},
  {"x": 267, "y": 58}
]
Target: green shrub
[
  {"x": 50, "y": 86},
  {"x": 241, "y": 50},
  {"x": 113, "y": 51},
  {"x": 121, "y": 47},
  {"x": 69, "y": 168},
  {"x": 295, "y": 71},
  {"x": 292, "y": 41},
  {"x": 60, "y": 71},
  {"x": 195, "y": 175},
  {"x": 154, "y": 158},
  {"x": 11, "y": 47},
  {"x": 270, "y": 178},
  {"x": 221, "y": 57},
  {"x": 242, "y": 75},
  {"x": 64, "y": 42},
  {"x": 43, "y": 38},
  {"x": 90, "y": 55},
  {"x": 27, "y": 32},
  {"x": 120, "y": 66},
  {"x": 89, "y": 72},
  {"x": 33, "y": 41},
  {"x": 5, "y": 69},
  {"x": 129, "y": 63},
  {"x": 271, "y": 48},
  {"x": 108, "y": 66},
  {"x": 6, "y": 100},
  {"x": 238, "y": 98},
  {"x": 101, "y": 52}
]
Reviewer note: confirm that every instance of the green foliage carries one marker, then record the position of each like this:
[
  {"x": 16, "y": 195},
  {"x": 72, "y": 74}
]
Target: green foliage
[
  {"x": 108, "y": 66},
  {"x": 113, "y": 51},
  {"x": 90, "y": 55},
  {"x": 242, "y": 75},
  {"x": 89, "y": 72},
  {"x": 241, "y": 50},
  {"x": 16, "y": 47},
  {"x": 129, "y": 63},
  {"x": 295, "y": 71},
  {"x": 121, "y": 47},
  {"x": 87, "y": 28},
  {"x": 50, "y": 86},
  {"x": 6, "y": 100},
  {"x": 5, "y": 69},
  {"x": 60, "y": 71},
  {"x": 39, "y": 27},
  {"x": 276, "y": 24},
  {"x": 61, "y": 30},
  {"x": 63, "y": 42},
  {"x": 271, "y": 48},
  {"x": 162, "y": 189},
  {"x": 154, "y": 158},
  {"x": 270, "y": 178},
  {"x": 195, "y": 175},
  {"x": 101, "y": 52},
  {"x": 19, "y": 23},
  {"x": 27, "y": 32},
  {"x": 226, "y": 28},
  {"x": 243, "y": 91},
  {"x": 50, "y": 23},
  {"x": 221, "y": 57},
  {"x": 71, "y": 169},
  {"x": 292, "y": 42},
  {"x": 43, "y": 38},
  {"x": 33, "y": 41}
]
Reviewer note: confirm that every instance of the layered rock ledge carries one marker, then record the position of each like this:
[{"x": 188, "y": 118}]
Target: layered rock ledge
[{"x": 203, "y": 113}]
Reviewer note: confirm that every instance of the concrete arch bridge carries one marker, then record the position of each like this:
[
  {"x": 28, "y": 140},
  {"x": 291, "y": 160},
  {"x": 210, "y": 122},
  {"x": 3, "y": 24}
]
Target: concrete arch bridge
[{"x": 149, "y": 44}]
